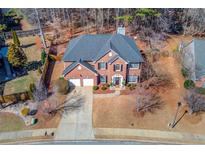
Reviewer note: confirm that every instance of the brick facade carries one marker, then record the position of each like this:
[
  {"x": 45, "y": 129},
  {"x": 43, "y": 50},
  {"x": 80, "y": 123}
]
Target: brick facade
[{"x": 109, "y": 72}]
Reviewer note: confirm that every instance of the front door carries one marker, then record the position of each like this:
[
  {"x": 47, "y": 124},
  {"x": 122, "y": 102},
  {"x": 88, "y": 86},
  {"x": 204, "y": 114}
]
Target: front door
[{"x": 117, "y": 80}]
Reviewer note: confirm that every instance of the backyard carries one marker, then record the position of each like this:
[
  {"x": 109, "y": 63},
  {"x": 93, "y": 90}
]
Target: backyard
[
  {"x": 10, "y": 122},
  {"x": 32, "y": 49}
]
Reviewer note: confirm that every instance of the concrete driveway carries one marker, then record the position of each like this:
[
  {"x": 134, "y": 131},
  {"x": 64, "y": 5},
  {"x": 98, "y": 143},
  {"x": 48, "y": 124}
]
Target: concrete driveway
[{"x": 77, "y": 125}]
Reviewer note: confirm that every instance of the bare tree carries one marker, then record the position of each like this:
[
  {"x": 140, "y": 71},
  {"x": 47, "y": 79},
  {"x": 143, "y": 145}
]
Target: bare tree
[
  {"x": 194, "y": 21},
  {"x": 148, "y": 101},
  {"x": 195, "y": 102},
  {"x": 73, "y": 103}
]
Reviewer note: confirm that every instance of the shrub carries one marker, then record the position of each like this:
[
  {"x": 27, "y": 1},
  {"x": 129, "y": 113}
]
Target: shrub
[
  {"x": 132, "y": 88},
  {"x": 123, "y": 82},
  {"x": 111, "y": 84},
  {"x": 129, "y": 85},
  {"x": 62, "y": 86},
  {"x": 189, "y": 84},
  {"x": 103, "y": 88},
  {"x": 39, "y": 70},
  {"x": 25, "y": 111},
  {"x": 184, "y": 72},
  {"x": 200, "y": 90},
  {"x": 32, "y": 87},
  {"x": 43, "y": 56},
  {"x": 23, "y": 97},
  {"x": 95, "y": 88}
]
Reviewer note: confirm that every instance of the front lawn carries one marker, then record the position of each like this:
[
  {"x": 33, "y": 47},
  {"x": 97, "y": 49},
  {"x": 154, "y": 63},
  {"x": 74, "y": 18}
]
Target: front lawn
[
  {"x": 10, "y": 122},
  {"x": 119, "y": 112}
]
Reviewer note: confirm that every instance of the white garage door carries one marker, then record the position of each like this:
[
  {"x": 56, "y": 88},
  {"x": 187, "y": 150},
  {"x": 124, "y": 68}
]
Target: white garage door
[
  {"x": 88, "y": 82},
  {"x": 75, "y": 82}
]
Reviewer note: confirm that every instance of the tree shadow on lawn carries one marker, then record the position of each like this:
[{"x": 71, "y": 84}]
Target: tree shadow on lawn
[
  {"x": 33, "y": 65},
  {"x": 28, "y": 45}
]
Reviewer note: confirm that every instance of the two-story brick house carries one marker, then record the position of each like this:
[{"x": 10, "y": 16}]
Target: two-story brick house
[{"x": 103, "y": 58}]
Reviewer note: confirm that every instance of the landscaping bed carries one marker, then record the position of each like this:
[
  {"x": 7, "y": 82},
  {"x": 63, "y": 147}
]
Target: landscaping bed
[{"x": 102, "y": 89}]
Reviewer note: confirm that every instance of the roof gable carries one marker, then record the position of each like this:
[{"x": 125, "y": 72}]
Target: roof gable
[{"x": 82, "y": 63}]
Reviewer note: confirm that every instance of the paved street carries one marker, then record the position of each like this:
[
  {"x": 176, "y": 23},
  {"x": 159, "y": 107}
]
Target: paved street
[
  {"x": 94, "y": 142},
  {"x": 78, "y": 124}
]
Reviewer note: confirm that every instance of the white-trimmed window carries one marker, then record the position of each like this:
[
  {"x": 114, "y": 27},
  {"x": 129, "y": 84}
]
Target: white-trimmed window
[
  {"x": 132, "y": 78},
  {"x": 103, "y": 79},
  {"x": 101, "y": 65},
  {"x": 118, "y": 67},
  {"x": 134, "y": 65}
]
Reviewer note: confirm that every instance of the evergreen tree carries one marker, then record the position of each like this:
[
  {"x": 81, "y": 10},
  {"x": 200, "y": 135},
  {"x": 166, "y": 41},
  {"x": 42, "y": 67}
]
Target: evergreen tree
[
  {"x": 15, "y": 39},
  {"x": 43, "y": 56},
  {"x": 16, "y": 56}
]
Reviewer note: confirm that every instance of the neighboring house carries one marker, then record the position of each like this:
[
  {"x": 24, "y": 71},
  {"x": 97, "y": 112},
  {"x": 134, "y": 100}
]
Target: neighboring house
[
  {"x": 102, "y": 58},
  {"x": 194, "y": 60},
  {"x": 5, "y": 68}
]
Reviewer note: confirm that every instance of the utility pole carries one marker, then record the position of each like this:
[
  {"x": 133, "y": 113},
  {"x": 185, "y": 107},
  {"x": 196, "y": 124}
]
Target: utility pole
[
  {"x": 41, "y": 31},
  {"x": 177, "y": 111}
]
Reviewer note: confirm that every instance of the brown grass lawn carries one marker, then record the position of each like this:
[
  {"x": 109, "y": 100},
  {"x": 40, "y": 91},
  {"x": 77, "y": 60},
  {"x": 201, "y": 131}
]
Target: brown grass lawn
[
  {"x": 31, "y": 47},
  {"x": 10, "y": 122},
  {"x": 119, "y": 112}
]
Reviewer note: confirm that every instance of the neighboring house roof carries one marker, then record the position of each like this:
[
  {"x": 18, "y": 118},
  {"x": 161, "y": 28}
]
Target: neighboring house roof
[
  {"x": 83, "y": 63},
  {"x": 197, "y": 48},
  {"x": 199, "y": 52},
  {"x": 93, "y": 47}
]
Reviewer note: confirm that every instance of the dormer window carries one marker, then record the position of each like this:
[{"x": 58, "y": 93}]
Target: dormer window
[{"x": 101, "y": 65}]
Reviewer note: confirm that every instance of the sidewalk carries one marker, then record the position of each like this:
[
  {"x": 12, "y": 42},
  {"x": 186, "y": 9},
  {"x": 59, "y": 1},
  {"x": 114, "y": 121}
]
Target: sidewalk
[
  {"x": 175, "y": 137},
  {"x": 25, "y": 134}
]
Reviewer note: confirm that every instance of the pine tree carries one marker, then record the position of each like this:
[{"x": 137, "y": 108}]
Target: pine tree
[
  {"x": 15, "y": 39},
  {"x": 43, "y": 56},
  {"x": 16, "y": 56}
]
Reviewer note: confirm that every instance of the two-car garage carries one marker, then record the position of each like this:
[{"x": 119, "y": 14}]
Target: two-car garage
[{"x": 85, "y": 82}]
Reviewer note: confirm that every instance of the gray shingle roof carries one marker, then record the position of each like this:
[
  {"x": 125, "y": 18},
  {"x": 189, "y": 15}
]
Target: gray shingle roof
[
  {"x": 74, "y": 64},
  {"x": 112, "y": 59},
  {"x": 199, "y": 51},
  {"x": 93, "y": 47}
]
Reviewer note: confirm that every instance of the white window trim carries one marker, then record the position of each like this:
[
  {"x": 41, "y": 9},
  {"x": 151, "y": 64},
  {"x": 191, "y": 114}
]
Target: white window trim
[
  {"x": 137, "y": 81},
  {"x": 105, "y": 79},
  {"x": 134, "y": 68},
  {"x": 119, "y": 69},
  {"x": 102, "y": 68}
]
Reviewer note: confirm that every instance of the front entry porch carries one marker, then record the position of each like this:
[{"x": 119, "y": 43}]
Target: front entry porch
[{"x": 117, "y": 81}]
